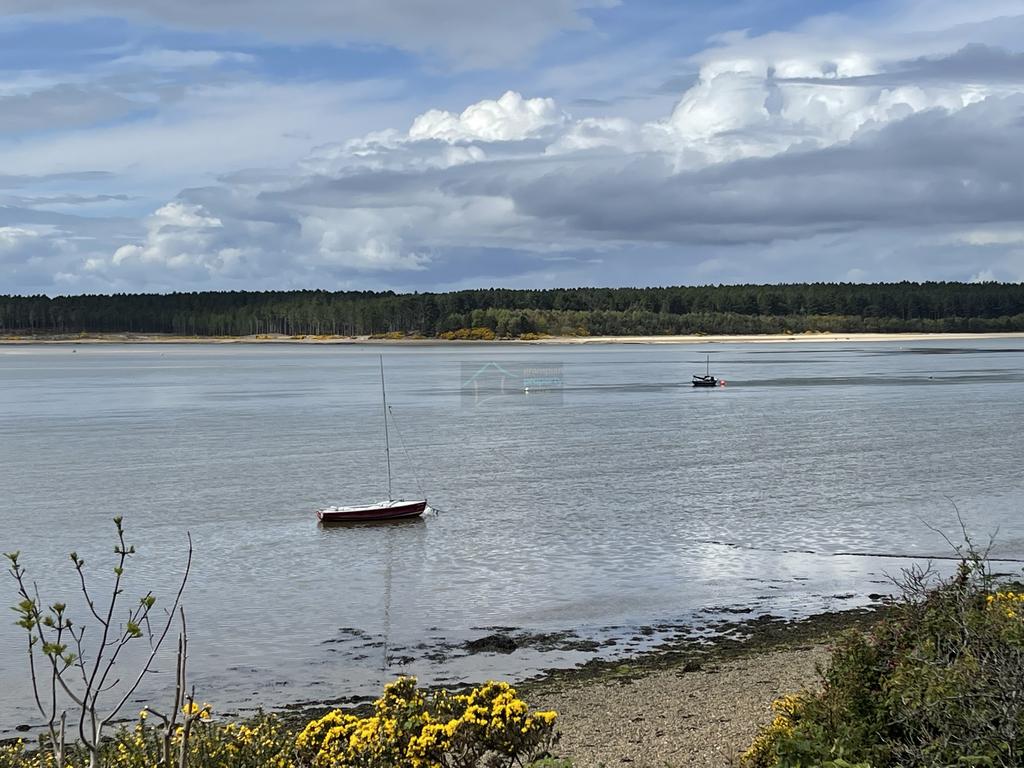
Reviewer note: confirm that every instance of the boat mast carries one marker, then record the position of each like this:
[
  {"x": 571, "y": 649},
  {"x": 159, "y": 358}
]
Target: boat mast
[{"x": 387, "y": 442}]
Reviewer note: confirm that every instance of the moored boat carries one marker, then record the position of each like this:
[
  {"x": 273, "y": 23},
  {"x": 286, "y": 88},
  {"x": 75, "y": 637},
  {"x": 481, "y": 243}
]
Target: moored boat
[
  {"x": 396, "y": 509},
  {"x": 392, "y": 509},
  {"x": 707, "y": 380}
]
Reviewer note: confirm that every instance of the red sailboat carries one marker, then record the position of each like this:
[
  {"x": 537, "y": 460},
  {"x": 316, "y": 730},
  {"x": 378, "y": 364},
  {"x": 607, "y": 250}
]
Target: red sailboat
[{"x": 392, "y": 509}]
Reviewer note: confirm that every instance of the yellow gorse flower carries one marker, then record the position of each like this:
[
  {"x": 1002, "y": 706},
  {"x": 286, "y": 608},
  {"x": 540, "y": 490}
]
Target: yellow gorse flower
[
  {"x": 1007, "y": 603},
  {"x": 410, "y": 727},
  {"x": 192, "y": 709},
  {"x": 787, "y": 712}
]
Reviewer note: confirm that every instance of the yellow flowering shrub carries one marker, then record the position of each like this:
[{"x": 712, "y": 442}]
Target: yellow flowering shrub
[
  {"x": 410, "y": 728},
  {"x": 1009, "y": 604},
  {"x": 761, "y": 753},
  {"x": 262, "y": 742}
]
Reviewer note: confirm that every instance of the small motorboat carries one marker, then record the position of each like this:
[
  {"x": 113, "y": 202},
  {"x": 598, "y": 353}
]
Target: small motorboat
[
  {"x": 707, "y": 380},
  {"x": 396, "y": 509}
]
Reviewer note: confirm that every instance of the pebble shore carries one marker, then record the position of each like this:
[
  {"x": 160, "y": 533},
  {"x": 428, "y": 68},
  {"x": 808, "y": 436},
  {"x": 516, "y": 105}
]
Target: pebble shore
[
  {"x": 686, "y": 706},
  {"x": 702, "y": 718}
]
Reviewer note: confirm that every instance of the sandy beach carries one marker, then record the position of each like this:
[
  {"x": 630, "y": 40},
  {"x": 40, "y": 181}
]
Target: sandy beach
[{"x": 153, "y": 338}]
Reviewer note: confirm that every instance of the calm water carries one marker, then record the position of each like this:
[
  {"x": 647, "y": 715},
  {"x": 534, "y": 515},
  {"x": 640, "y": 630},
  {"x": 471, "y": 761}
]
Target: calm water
[{"x": 628, "y": 499}]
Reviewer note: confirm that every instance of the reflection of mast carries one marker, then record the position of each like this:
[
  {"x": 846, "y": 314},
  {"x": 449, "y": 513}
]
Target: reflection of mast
[{"x": 390, "y": 533}]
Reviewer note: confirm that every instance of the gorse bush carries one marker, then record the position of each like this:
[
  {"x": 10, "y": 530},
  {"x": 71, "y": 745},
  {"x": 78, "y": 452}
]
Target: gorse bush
[
  {"x": 938, "y": 683},
  {"x": 407, "y": 728},
  {"x": 490, "y": 726},
  {"x": 262, "y": 742}
]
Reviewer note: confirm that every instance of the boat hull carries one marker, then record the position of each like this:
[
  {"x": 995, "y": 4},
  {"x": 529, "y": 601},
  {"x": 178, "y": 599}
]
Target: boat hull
[
  {"x": 701, "y": 381},
  {"x": 389, "y": 510}
]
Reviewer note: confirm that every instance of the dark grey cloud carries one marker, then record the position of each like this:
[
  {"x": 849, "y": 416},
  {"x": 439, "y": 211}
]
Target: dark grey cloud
[
  {"x": 930, "y": 169},
  {"x": 63, "y": 107}
]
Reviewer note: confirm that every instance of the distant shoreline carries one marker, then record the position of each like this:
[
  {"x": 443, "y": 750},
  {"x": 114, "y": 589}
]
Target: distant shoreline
[{"x": 155, "y": 338}]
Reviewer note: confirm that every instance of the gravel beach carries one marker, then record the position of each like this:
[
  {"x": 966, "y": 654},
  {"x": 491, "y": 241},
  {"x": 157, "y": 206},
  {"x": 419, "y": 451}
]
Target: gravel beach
[
  {"x": 672, "y": 717},
  {"x": 690, "y": 706}
]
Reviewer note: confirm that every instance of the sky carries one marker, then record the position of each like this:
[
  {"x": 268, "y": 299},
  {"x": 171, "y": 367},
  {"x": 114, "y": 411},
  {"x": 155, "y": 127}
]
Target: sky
[{"x": 415, "y": 145}]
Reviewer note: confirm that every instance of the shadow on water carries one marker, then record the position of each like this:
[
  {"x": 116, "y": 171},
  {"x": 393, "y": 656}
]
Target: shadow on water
[{"x": 337, "y": 527}]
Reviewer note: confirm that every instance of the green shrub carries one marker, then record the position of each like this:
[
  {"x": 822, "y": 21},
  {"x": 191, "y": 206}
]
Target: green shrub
[{"x": 940, "y": 683}]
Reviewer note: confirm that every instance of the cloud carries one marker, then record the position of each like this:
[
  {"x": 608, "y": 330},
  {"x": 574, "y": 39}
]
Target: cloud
[
  {"x": 210, "y": 128},
  {"x": 9, "y": 181},
  {"x": 974, "y": 63},
  {"x": 510, "y": 118},
  {"x": 65, "y": 105},
  {"x": 983, "y": 237},
  {"x": 169, "y": 59},
  {"x": 468, "y": 33},
  {"x": 384, "y": 205}
]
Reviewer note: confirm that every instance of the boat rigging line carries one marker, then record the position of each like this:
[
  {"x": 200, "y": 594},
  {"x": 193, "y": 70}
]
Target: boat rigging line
[{"x": 408, "y": 456}]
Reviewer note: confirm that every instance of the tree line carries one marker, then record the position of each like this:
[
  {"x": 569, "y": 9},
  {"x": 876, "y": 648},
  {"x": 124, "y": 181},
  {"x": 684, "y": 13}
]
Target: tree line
[{"x": 728, "y": 309}]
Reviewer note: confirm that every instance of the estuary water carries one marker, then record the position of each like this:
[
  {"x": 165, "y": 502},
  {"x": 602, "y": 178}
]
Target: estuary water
[{"x": 612, "y": 501}]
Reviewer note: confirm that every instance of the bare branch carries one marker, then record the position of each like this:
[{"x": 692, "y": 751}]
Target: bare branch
[{"x": 163, "y": 635}]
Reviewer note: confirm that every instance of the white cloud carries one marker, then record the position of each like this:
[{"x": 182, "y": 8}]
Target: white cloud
[
  {"x": 180, "y": 237},
  {"x": 337, "y": 248},
  {"x": 11, "y": 236},
  {"x": 166, "y": 58},
  {"x": 984, "y": 276},
  {"x": 983, "y": 237},
  {"x": 509, "y": 118}
]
